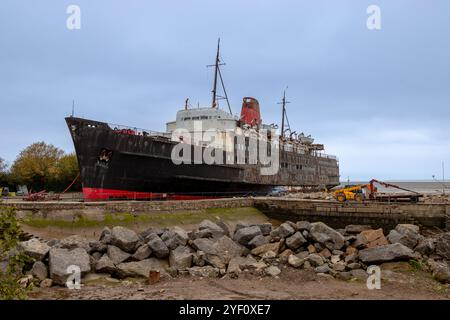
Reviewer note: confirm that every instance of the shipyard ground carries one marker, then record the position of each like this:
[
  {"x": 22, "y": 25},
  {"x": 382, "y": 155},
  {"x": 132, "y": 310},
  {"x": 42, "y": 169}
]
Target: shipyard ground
[
  {"x": 399, "y": 281},
  {"x": 48, "y": 220}
]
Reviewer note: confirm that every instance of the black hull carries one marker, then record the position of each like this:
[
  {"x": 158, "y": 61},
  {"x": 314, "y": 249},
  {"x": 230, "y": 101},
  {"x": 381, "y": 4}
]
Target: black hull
[{"x": 120, "y": 165}]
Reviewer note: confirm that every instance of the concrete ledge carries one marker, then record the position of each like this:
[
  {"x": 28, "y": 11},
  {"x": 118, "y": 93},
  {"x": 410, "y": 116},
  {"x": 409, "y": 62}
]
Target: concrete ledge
[{"x": 385, "y": 215}]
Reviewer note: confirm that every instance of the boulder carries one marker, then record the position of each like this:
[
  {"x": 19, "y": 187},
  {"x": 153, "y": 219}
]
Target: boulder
[
  {"x": 75, "y": 241},
  {"x": 98, "y": 246},
  {"x": 141, "y": 268},
  {"x": 350, "y": 250},
  {"x": 315, "y": 259},
  {"x": 96, "y": 256},
  {"x": 335, "y": 258},
  {"x": 339, "y": 266},
  {"x": 404, "y": 228},
  {"x": 206, "y": 245},
  {"x": 283, "y": 231},
  {"x": 209, "y": 229},
  {"x": 351, "y": 258},
  {"x": 175, "y": 237},
  {"x": 327, "y": 236},
  {"x": 426, "y": 246},
  {"x": 303, "y": 225},
  {"x": 245, "y": 235},
  {"x": 443, "y": 245},
  {"x": 311, "y": 248},
  {"x": 266, "y": 228},
  {"x": 39, "y": 270},
  {"x": 406, "y": 234},
  {"x": 124, "y": 238},
  {"x": 181, "y": 258},
  {"x": 261, "y": 250},
  {"x": 390, "y": 252},
  {"x": 199, "y": 259},
  {"x": 52, "y": 243},
  {"x": 105, "y": 265},
  {"x": 356, "y": 228},
  {"x": 224, "y": 226},
  {"x": 257, "y": 241},
  {"x": 218, "y": 253},
  {"x": 237, "y": 264},
  {"x": 353, "y": 266},
  {"x": 269, "y": 255},
  {"x": 370, "y": 238},
  {"x": 157, "y": 246},
  {"x": 272, "y": 271},
  {"x": 302, "y": 254},
  {"x": 34, "y": 248},
  {"x": 285, "y": 255},
  {"x": 359, "y": 274},
  {"x": 105, "y": 235},
  {"x": 204, "y": 272},
  {"x": 158, "y": 231},
  {"x": 295, "y": 261},
  {"x": 143, "y": 252},
  {"x": 322, "y": 269},
  {"x": 208, "y": 224},
  {"x": 227, "y": 248},
  {"x": 295, "y": 241},
  {"x": 60, "y": 259},
  {"x": 325, "y": 253},
  {"x": 116, "y": 255},
  {"x": 46, "y": 283},
  {"x": 440, "y": 270}
]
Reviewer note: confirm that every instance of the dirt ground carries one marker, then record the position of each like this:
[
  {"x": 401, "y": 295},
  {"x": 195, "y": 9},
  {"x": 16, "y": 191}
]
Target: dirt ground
[{"x": 398, "y": 282}]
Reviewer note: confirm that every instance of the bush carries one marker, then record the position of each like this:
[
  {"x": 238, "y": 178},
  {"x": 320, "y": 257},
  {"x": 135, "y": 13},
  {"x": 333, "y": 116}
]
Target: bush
[{"x": 12, "y": 262}]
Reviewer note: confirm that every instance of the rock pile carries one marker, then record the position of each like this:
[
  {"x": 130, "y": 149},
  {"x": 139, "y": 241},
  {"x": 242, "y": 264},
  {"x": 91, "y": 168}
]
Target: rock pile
[{"x": 214, "y": 249}]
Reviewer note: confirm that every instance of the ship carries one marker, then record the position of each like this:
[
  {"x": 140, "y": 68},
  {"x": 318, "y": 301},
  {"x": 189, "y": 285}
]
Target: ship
[{"x": 119, "y": 162}]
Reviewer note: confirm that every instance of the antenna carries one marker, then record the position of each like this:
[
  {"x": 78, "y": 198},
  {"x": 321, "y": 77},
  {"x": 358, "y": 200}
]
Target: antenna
[
  {"x": 283, "y": 112},
  {"x": 73, "y": 108},
  {"x": 217, "y": 72}
]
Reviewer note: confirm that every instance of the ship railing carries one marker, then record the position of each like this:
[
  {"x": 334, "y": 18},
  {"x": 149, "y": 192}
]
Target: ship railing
[
  {"x": 327, "y": 156},
  {"x": 135, "y": 130}
]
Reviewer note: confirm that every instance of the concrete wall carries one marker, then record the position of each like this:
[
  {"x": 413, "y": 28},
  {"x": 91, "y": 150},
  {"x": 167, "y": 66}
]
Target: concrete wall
[
  {"x": 338, "y": 215},
  {"x": 333, "y": 213}
]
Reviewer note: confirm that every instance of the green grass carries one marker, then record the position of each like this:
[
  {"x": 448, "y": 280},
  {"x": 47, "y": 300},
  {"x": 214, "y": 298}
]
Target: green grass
[
  {"x": 164, "y": 218},
  {"x": 416, "y": 266}
]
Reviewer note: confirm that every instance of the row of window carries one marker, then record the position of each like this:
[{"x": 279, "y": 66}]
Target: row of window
[
  {"x": 292, "y": 166},
  {"x": 200, "y": 118}
]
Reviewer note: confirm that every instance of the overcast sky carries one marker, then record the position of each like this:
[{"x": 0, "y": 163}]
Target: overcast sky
[{"x": 377, "y": 99}]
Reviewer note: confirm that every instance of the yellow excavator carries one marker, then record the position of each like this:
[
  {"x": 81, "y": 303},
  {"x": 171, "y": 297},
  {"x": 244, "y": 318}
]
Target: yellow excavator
[
  {"x": 351, "y": 193},
  {"x": 370, "y": 192}
]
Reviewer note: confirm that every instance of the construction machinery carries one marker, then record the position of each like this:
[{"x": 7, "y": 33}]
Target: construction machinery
[{"x": 370, "y": 192}]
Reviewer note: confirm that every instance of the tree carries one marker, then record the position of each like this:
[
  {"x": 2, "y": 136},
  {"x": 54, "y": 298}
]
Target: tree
[
  {"x": 3, "y": 166},
  {"x": 37, "y": 166},
  {"x": 4, "y": 177},
  {"x": 68, "y": 171}
]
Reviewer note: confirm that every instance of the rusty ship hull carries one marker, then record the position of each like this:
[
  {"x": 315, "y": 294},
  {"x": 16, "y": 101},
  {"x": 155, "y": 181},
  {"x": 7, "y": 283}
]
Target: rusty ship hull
[{"x": 123, "y": 165}]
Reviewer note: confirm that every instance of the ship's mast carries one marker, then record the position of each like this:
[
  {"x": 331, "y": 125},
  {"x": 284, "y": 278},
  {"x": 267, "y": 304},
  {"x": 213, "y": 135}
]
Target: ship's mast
[
  {"x": 216, "y": 68},
  {"x": 283, "y": 112},
  {"x": 217, "y": 72}
]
